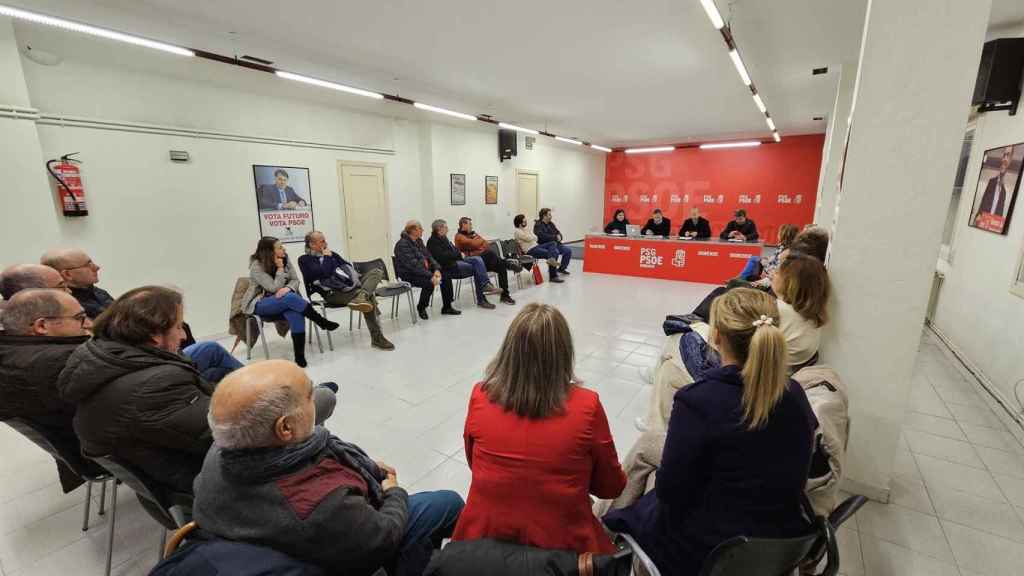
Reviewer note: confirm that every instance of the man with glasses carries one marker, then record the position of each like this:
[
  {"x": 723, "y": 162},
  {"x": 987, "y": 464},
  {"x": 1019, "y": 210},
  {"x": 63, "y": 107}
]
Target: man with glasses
[
  {"x": 81, "y": 275},
  {"x": 20, "y": 277},
  {"x": 42, "y": 328}
]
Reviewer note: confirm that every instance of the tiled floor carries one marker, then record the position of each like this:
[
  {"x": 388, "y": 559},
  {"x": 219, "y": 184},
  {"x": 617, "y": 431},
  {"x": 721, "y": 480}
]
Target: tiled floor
[{"x": 959, "y": 476}]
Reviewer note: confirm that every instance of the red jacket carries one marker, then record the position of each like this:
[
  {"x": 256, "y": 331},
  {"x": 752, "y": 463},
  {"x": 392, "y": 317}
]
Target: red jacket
[
  {"x": 471, "y": 246},
  {"x": 532, "y": 478}
]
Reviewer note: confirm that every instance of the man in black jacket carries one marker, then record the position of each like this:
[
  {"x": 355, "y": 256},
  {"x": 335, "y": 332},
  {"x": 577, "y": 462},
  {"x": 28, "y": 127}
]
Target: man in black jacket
[
  {"x": 43, "y": 328},
  {"x": 546, "y": 231},
  {"x": 658, "y": 225},
  {"x": 742, "y": 228},
  {"x": 454, "y": 265},
  {"x": 695, "y": 226},
  {"x": 81, "y": 275},
  {"x": 415, "y": 265}
]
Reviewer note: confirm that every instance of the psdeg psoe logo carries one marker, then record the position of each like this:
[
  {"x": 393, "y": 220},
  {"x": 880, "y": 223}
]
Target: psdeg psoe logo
[
  {"x": 679, "y": 260},
  {"x": 649, "y": 258}
]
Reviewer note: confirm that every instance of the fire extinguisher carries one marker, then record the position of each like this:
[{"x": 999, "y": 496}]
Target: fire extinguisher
[{"x": 69, "y": 184}]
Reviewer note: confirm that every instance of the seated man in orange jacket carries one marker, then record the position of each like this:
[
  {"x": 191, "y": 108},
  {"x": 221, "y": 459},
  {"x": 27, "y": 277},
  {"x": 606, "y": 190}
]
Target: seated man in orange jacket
[{"x": 472, "y": 244}]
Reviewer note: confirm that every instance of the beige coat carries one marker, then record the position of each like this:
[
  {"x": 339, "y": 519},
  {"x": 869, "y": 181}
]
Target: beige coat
[
  {"x": 263, "y": 284},
  {"x": 236, "y": 318}
]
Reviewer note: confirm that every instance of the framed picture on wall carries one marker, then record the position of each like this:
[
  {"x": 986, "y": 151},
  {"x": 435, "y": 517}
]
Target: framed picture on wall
[
  {"x": 458, "y": 189},
  {"x": 997, "y": 188},
  {"x": 284, "y": 201},
  {"x": 490, "y": 189}
]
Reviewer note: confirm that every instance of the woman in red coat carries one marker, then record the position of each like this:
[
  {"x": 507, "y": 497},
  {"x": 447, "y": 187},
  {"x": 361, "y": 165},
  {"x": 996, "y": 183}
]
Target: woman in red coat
[{"x": 538, "y": 444}]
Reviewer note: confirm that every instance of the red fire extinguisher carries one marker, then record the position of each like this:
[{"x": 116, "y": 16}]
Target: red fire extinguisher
[{"x": 69, "y": 184}]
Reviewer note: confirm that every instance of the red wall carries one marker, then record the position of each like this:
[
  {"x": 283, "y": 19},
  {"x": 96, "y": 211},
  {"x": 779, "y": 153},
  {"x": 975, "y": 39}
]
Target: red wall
[{"x": 776, "y": 183}]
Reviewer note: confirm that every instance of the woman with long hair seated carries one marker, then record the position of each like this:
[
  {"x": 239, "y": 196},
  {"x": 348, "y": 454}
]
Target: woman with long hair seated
[
  {"x": 274, "y": 292},
  {"x": 802, "y": 287},
  {"x": 538, "y": 444},
  {"x": 737, "y": 450}
]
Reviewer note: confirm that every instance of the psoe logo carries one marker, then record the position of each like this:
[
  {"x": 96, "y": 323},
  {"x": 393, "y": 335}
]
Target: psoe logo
[
  {"x": 649, "y": 258},
  {"x": 679, "y": 260},
  {"x": 675, "y": 199}
]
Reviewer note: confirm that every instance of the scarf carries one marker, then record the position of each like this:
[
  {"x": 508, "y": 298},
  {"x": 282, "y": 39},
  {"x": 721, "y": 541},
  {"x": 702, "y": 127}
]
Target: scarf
[{"x": 263, "y": 465}]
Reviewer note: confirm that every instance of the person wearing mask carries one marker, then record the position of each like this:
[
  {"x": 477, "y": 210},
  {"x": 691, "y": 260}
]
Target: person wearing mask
[
  {"x": 274, "y": 292},
  {"x": 81, "y": 275},
  {"x": 306, "y": 492},
  {"x": 472, "y": 244},
  {"x": 529, "y": 245},
  {"x": 336, "y": 281},
  {"x": 132, "y": 370},
  {"x": 546, "y": 231},
  {"x": 415, "y": 265},
  {"x": 740, "y": 228},
  {"x": 454, "y": 265},
  {"x": 618, "y": 224},
  {"x": 737, "y": 449},
  {"x": 695, "y": 226},
  {"x": 43, "y": 328},
  {"x": 658, "y": 225},
  {"x": 530, "y": 392}
]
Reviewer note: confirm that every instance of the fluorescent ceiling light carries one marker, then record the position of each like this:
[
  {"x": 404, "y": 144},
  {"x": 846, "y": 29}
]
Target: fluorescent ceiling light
[
  {"x": 776, "y": 136},
  {"x": 444, "y": 111},
  {"x": 647, "y": 150},
  {"x": 601, "y": 148},
  {"x": 713, "y": 13},
  {"x": 517, "y": 128},
  {"x": 326, "y": 84},
  {"x": 760, "y": 103},
  {"x": 92, "y": 30},
  {"x": 771, "y": 123},
  {"x": 568, "y": 140},
  {"x": 738, "y": 62},
  {"x": 749, "y": 144}
]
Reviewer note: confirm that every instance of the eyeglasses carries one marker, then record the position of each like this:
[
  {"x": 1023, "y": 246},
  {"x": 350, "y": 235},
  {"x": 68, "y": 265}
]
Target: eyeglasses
[
  {"x": 89, "y": 264},
  {"x": 81, "y": 318}
]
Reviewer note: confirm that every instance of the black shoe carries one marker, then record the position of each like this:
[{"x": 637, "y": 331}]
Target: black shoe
[
  {"x": 332, "y": 386},
  {"x": 507, "y": 299},
  {"x": 449, "y": 311},
  {"x": 560, "y": 271},
  {"x": 299, "y": 348},
  {"x": 423, "y": 314},
  {"x": 557, "y": 280},
  {"x": 320, "y": 321}
]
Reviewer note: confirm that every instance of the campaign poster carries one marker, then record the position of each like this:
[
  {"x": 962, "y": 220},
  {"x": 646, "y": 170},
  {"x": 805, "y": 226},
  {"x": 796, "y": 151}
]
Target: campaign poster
[
  {"x": 490, "y": 189},
  {"x": 997, "y": 188},
  {"x": 284, "y": 201},
  {"x": 458, "y": 189}
]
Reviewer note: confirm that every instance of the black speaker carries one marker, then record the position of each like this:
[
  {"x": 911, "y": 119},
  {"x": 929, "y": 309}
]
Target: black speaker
[
  {"x": 506, "y": 144},
  {"x": 999, "y": 76}
]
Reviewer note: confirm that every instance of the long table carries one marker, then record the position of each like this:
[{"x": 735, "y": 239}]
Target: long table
[{"x": 708, "y": 261}]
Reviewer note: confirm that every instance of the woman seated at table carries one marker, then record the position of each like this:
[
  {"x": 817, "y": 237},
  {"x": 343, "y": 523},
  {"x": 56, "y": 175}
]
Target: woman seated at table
[
  {"x": 737, "y": 449},
  {"x": 618, "y": 224}
]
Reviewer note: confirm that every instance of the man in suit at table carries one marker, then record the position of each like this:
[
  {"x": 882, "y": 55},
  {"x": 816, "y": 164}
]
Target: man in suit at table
[
  {"x": 658, "y": 225},
  {"x": 695, "y": 226},
  {"x": 741, "y": 228},
  {"x": 279, "y": 195},
  {"x": 993, "y": 201}
]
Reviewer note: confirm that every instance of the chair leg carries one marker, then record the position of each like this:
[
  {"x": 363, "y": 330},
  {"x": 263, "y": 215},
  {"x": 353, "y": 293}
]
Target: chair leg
[
  {"x": 248, "y": 338},
  {"x": 309, "y": 330},
  {"x": 412, "y": 308},
  {"x": 163, "y": 543},
  {"x": 88, "y": 503},
  {"x": 319, "y": 342},
  {"x": 330, "y": 341},
  {"x": 103, "y": 497},
  {"x": 394, "y": 308},
  {"x": 113, "y": 519},
  {"x": 350, "y": 313},
  {"x": 263, "y": 339}
]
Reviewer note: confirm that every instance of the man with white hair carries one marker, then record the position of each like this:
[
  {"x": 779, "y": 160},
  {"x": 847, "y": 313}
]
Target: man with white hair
[
  {"x": 415, "y": 265},
  {"x": 275, "y": 479}
]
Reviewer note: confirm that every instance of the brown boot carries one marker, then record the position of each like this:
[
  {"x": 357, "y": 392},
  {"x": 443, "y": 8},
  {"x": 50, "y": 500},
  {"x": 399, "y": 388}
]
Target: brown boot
[
  {"x": 377, "y": 339},
  {"x": 361, "y": 303}
]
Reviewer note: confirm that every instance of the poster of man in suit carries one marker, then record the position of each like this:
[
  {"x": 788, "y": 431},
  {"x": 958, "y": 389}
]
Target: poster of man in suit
[
  {"x": 997, "y": 188},
  {"x": 284, "y": 201}
]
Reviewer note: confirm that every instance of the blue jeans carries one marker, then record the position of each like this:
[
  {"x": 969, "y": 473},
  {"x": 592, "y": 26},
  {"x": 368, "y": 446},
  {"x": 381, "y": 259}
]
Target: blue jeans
[
  {"x": 291, "y": 306},
  {"x": 432, "y": 517},
  {"x": 752, "y": 270},
  {"x": 475, "y": 265},
  {"x": 212, "y": 360},
  {"x": 552, "y": 250}
]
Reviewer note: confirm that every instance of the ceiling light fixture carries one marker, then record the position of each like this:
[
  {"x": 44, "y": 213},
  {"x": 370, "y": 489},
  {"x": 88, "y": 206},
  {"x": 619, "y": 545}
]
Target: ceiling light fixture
[
  {"x": 92, "y": 30},
  {"x": 444, "y": 111},
  {"x": 517, "y": 128},
  {"x": 713, "y": 13},
  {"x": 649, "y": 150},
  {"x": 760, "y": 104},
  {"x": 776, "y": 136},
  {"x": 738, "y": 63},
  {"x": 749, "y": 144},
  {"x": 568, "y": 140},
  {"x": 771, "y": 123},
  {"x": 601, "y": 148},
  {"x": 326, "y": 84}
]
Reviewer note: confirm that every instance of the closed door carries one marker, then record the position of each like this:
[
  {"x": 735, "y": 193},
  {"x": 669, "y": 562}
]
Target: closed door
[
  {"x": 366, "y": 212},
  {"x": 528, "y": 194}
]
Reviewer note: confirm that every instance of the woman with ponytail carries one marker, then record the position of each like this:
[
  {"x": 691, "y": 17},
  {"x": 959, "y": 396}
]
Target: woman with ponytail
[{"x": 737, "y": 449}]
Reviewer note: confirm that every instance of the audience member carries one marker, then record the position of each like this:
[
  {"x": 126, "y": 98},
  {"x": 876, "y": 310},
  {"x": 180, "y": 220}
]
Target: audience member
[
  {"x": 658, "y": 225},
  {"x": 43, "y": 328},
  {"x": 415, "y": 265},
  {"x": 274, "y": 292},
  {"x": 618, "y": 225},
  {"x": 737, "y": 451},
  {"x": 536, "y": 492},
  {"x": 741, "y": 228},
  {"x": 80, "y": 275},
  {"x": 547, "y": 232},
  {"x": 454, "y": 265},
  {"x": 802, "y": 287},
  {"x": 528, "y": 244},
  {"x": 472, "y": 244},
  {"x": 758, "y": 270},
  {"x": 20, "y": 277},
  {"x": 336, "y": 280},
  {"x": 274, "y": 479},
  {"x": 695, "y": 226},
  {"x": 812, "y": 241}
]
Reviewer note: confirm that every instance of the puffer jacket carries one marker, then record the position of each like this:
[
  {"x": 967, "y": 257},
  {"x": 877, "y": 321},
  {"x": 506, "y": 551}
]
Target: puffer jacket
[
  {"x": 827, "y": 395},
  {"x": 413, "y": 260},
  {"x": 140, "y": 404}
]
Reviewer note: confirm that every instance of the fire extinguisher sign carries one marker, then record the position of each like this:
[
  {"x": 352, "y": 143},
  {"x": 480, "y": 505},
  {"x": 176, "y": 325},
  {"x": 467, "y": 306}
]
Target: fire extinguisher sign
[{"x": 69, "y": 185}]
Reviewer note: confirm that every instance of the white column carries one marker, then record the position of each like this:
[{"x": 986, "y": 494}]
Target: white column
[
  {"x": 30, "y": 211},
  {"x": 918, "y": 63},
  {"x": 835, "y": 140}
]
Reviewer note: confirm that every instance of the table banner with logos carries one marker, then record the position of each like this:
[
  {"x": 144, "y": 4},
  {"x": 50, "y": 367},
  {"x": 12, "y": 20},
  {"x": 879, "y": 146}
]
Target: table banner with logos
[{"x": 711, "y": 262}]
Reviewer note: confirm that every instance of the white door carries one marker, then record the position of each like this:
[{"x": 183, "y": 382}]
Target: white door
[
  {"x": 366, "y": 212},
  {"x": 528, "y": 195}
]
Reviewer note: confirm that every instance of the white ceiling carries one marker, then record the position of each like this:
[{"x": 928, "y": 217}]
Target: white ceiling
[{"x": 608, "y": 71}]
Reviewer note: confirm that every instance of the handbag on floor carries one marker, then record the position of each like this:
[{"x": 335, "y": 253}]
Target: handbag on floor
[{"x": 538, "y": 276}]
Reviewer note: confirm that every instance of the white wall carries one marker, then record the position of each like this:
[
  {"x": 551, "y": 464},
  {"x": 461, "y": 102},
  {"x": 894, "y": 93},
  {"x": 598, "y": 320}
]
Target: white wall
[{"x": 193, "y": 224}]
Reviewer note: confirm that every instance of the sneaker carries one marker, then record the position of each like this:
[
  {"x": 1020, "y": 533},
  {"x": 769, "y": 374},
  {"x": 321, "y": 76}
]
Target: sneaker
[
  {"x": 449, "y": 311},
  {"x": 557, "y": 280},
  {"x": 553, "y": 262},
  {"x": 641, "y": 424},
  {"x": 492, "y": 289},
  {"x": 485, "y": 305},
  {"x": 505, "y": 298}
]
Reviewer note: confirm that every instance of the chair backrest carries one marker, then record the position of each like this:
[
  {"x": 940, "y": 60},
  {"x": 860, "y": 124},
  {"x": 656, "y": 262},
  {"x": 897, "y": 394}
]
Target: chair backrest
[
  {"x": 147, "y": 490},
  {"x": 378, "y": 264},
  {"x": 58, "y": 448},
  {"x": 394, "y": 266},
  {"x": 742, "y": 556},
  {"x": 510, "y": 248},
  {"x": 495, "y": 246}
]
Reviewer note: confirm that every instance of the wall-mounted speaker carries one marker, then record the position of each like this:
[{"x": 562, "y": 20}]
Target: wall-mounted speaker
[
  {"x": 999, "y": 76},
  {"x": 506, "y": 144}
]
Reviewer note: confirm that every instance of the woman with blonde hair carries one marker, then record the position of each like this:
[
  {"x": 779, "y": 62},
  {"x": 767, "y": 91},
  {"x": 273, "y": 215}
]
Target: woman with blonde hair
[
  {"x": 737, "y": 450},
  {"x": 538, "y": 444}
]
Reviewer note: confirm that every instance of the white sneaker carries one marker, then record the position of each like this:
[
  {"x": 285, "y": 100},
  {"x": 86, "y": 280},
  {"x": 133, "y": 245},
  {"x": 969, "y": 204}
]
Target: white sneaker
[{"x": 641, "y": 424}]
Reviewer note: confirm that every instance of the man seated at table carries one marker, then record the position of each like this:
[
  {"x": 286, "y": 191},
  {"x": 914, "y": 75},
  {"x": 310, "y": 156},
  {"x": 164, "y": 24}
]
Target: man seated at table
[
  {"x": 658, "y": 225},
  {"x": 472, "y": 244},
  {"x": 695, "y": 226},
  {"x": 275, "y": 479},
  {"x": 741, "y": 228}
]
